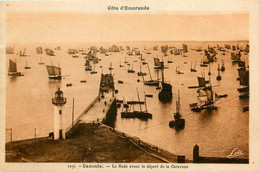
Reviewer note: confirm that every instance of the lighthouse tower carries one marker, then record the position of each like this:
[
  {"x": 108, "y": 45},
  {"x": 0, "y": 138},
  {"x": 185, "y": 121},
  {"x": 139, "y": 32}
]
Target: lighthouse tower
[{"x": 58, "y": 102}]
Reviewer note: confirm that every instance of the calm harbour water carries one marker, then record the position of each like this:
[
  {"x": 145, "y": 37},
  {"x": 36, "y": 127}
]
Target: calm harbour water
[{"x": 28, "y": 98}]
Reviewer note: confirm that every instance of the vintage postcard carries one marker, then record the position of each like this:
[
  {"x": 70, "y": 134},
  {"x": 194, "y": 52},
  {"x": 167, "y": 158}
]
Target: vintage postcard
[{"x": 129, "y": 85}]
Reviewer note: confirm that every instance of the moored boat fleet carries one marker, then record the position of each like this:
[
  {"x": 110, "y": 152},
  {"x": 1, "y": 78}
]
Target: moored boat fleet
[{"x": 207, "y": 97}]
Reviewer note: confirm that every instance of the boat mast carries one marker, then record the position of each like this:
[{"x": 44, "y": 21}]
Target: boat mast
[
  {"x": 145, "y": 103},
  {"x": 162, "y": 66},
  {"x": 139, "y": 99},
  {"x": 149, "y": 71},
  {"x": 133, "y": 65},
  {"x": 218, "y": 70}
]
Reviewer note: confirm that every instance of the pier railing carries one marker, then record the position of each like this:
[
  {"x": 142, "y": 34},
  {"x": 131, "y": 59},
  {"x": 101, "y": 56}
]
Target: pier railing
[{"x": 84, "y": 112}]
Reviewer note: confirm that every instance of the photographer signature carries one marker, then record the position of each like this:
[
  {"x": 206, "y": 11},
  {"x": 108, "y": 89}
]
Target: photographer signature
[{"x": 235, "y": 153}]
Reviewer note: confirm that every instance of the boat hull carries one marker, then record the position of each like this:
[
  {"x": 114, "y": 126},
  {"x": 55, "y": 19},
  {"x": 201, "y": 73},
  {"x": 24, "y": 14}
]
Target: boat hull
[
  {"x": 136, "y": 114},
  {"x": 55, "y": 77},
  {"x": 165, "y": 94},
  {"x": 15, "y": 74},
  {"x": 151, "y": 83}
]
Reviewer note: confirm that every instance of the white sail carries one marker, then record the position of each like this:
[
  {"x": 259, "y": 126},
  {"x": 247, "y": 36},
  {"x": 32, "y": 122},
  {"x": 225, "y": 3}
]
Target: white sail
[{"x": 209, "y": 95}]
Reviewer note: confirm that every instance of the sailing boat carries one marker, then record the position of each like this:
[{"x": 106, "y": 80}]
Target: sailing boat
[
  {"x": 110, "y": 66},
  {"x": 41, "y": 63},
  {"x": 177, "y": 71},
  {"x": 87, "y": 66},
  {"x": 121, "y": 65},
  {"x": 27, "y": 67},
  {"x": 151, "y": 82},
  {"x": 9, "y": 50},
  {"x": 202, "y": 63},
  {"x": 178, "y": 122},
  {"x": 170, "y": 61},
  {"x": 156, "y": 63},
  {"x": 75, "y": 56},
  {"x": 207, "y": 96},
  {"x": 218, "y": 77},
  {"x": 144, "y": 62},
  {"x": 165, "y": 95},
  {"x": 141, "y": 73},
  {"x": 127, "y": 113},
  {"x": 141, "y": 57},
  {"x": 222, "y": 67},
  {"x": 131, "y": 70},
  {"x": 13, "y": 69},
  {"x": 193, "y": 69},
  {"x": 93, "y": 72},
  {"x": 236, "y": 57},
  {"x": 22, "y": 53},
  {"x": 125, "y": 60},
  {"x": 205, "y": 61},
  {"x": 54, "y": 72}
]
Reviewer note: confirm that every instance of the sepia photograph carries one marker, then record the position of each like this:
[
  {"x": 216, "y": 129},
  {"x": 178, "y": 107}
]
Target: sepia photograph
[{"x": 126, "y": 87}]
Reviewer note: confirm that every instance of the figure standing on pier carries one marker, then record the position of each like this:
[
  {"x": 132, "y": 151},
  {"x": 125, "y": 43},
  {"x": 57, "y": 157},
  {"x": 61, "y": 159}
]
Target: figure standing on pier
[{"x": 58, "y": 102}]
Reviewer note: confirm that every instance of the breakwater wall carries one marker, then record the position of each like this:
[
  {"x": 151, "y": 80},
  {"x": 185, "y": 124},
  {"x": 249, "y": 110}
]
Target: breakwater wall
[{"x": 111, "y": 115}]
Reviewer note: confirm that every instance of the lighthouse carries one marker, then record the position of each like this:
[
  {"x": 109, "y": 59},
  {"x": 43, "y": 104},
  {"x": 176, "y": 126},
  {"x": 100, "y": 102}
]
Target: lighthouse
[{"x": 58, "y": 102}]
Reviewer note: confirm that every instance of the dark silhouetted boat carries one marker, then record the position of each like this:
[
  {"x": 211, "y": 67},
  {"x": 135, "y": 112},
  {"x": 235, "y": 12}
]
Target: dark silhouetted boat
[
  {"x": 178, "y": 122},
  {"x": 130, "y": 112},
  {"x": 165, "y": 95}
]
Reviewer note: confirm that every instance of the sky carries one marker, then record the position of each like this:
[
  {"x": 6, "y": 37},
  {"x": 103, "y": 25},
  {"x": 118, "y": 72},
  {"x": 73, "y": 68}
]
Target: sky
[{"x": 25, "y": 24}]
